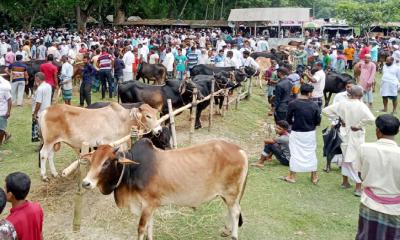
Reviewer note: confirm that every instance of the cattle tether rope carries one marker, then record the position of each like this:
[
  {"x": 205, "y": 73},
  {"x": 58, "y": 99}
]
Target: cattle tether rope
[{"x": 141, "y": 124}]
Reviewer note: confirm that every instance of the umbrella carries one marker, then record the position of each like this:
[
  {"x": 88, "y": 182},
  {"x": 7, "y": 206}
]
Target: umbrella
[{"x": 311, "y": 25}]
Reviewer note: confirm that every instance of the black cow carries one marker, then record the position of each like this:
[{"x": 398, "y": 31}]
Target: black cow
[
  {"x": 335, "y": 83},
  {"x": 203, "y": 69},
  {"x": 280, "y": 57},
  {"x": 161, "y": 140},
  {"x": 203, "y": 84},
  {"x": 155, "y": 96},
  {"x": 154, "y": 72}
]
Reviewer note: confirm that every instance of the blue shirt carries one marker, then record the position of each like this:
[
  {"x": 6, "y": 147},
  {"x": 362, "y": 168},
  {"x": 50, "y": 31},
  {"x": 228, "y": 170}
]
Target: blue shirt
[
  {"x": 192, "y": 58},
  {"x": 88, "y": 73},
  {"x": 374, "y": 54}
]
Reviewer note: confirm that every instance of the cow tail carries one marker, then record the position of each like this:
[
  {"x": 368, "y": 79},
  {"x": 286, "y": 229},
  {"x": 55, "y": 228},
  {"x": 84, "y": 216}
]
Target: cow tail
[{"x": 241, "y": 196}]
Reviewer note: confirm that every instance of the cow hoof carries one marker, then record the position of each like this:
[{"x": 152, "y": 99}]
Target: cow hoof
[
  {"x": 234, "y": 238},
  {"x": 55, "y": 175},
  {"x": 198, "y": 127},
  {"x": 225, "y": 232},
  {"x": 45, "y": 179}
]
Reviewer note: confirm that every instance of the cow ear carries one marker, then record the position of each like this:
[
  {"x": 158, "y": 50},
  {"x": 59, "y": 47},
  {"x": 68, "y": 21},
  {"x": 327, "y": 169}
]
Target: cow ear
[
  {"x": 116, "y": 149},
  {"x": 126, "y": 161}
]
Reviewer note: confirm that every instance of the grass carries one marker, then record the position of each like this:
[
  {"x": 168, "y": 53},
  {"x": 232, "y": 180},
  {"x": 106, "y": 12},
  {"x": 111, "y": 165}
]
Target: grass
[{"x": 271, "y": 208}]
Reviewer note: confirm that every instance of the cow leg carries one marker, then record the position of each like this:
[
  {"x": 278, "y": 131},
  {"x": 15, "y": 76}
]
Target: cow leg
[
  {"x": 198, "y": 115},
  {"x": 44, "y": 154},
  {"x": 328, "y": 99},
  {"x": 51, "y": 164},
  {"x": 150, "y": 228},
  {"x": 146, "y": 216},
  {"x": 234, "y": 211}
]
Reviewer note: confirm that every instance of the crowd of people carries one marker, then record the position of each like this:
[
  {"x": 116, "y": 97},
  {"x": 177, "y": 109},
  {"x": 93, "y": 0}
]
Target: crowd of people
[{"x": 107, "y": 57}]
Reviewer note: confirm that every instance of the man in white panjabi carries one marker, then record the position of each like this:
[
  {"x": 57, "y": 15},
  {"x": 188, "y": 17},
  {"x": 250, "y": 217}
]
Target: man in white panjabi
[
  {"x": 129, "y": 60},
  {"x": 354, "y": 115}
]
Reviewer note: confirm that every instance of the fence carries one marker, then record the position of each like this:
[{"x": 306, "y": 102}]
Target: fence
[{"x": 81, "y": 166}]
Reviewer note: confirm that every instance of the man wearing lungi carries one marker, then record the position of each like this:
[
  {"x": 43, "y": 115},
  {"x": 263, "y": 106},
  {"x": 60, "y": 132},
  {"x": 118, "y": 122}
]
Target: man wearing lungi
[
  {"x": 304, "y": 116},
  {"x": 354, "y": 115},
  {"x": 379, "y": 216}
]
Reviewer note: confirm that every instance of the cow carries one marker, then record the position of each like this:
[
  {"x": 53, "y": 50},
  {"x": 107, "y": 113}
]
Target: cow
[
  {"x": 74, "y": 125},
  {"x": 154, "y": 72},
  {"x": 295, "y": 43},
  {"x": 264, "y": 64},
  {"x": 155, "y": 96},
  {"x": 145, "y": 178},
  {"x": 203, "y": 84},
  {"x": 204, "y": 69},
  {"x": 278, "y": 56},
  {"x": 335, "y": 83},
  {"x": 160, "y": 140}
]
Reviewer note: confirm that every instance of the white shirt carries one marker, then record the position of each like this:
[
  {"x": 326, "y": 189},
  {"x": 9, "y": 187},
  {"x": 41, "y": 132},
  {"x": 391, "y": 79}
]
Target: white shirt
[
  {"x": 144, "y": 51},
  {"x": 3, "y": 48},
  {"x": 340, "y": 97},
  {"x": 43, "y": 96},
  {"x": 169, "y": 62},
  {"x": 230, "y": 62},
  {"x": 380, "y": 168},
  {"x": 129, "y": 60},
  {"x": 250, "y": 62},
  {"x": 5, "y": 95},
  {"x": 153, "y": 58},
  {"x": 220, "y": 44},
  {"x": 396, "y": 56},
  {"x": 262, "y": 45},
  {"x": 319, "y": 86},
  {"x": 390, "y": 80},
  {"x": 67, "y": 71}
]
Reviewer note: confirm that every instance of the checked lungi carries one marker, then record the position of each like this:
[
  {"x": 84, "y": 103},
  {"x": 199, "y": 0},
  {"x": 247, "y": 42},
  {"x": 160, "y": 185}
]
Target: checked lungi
[{"x": 373, "y": 225}]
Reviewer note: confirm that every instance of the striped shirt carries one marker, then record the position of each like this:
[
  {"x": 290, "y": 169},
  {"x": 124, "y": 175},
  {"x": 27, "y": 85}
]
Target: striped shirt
[
  {"x": 18, "y": 70},
  {"x": 192, "y": 59},
  {"x": 105, "y": 61}
]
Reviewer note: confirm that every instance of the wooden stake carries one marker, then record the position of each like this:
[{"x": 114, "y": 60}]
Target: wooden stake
[
  {"x": 172, "y": 124},
  {"x": 79, "y": 194},
  {"x": 227, "y": 99},
  {"x": 211, "y": 113},
  {"x": 249, "y": 90},
  {"x": 193, "y": 116},
  {"x": 238, "y": 98}
]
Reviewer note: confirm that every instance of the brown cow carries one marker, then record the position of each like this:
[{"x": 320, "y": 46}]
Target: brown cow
[
  {"x": 264, "y": 64},
  {"x": 145, "y": 178},
  {"x": 75, "y": 125}
]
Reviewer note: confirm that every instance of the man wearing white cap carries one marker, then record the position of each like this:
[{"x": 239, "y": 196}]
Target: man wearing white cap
[{"x": 396, "y": 54}]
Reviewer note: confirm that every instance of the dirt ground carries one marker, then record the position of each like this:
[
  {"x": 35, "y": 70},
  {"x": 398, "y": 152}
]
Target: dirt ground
[{"x": 101, "y": 218}]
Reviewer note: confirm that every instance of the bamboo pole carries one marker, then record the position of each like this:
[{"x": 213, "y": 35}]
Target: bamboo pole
[
  {"x": 224, "y": 103},
  {"x": 227, "y": 99},
  {"x": 211, "y": 112},
  {"x": 172, "y": 124},
  {"x": 79, "y": 194},
  {"x": 193, "y": 116},
  {"x": 249, "y": 90},
  {"x": 238, "y": 98}
]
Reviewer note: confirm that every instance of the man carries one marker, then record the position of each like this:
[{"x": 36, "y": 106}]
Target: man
[
  {"x": 318, "y": 82},
  {"x": 220, "y": 44},
  {"x": 67, "y": 71},
  {"x": 192, "y": 58},
  {"x": 154, "y": 58},
  {"x": 181, "y": 65},
  {"x": 271, "y": 77},
  {"x": 7, "y": 230},
  {"x": 283, "y": 91},
  {"x": 168, "y": 62},
  {"x": 5, "y": 109},
  {"x": 380, "y": 167},
  {"x": 278, "y": 146},
  {"x": 10, "y": 56},
  {"x": 230, "y": 60},
  {"x": 304, "y": 116},
  {"x": 219, "y": 59},
  {"x": 354, "y": 116},
  {"x": 88, "y": 74},
  {"x": 349, "y": 53},
  {"x": 367, "y": 79},
  {"x": 25, "y": 216},
  {"x": 396, "y": 54},
  {"x": 18, "y": 72},
  {"x": 301, "y": 56},
  {"x": 390, "y": 84},
  {"x": 40, "y": 102},
  {"x": 364, "y": 51},
  {"x": 326, "y": 60},
  {"x": 249, "y": 61},
  {"x": 41, "y": 51},
  {"x": 129, "y": 60},
  {"x": 105, "y": 64},
  {"x": 262, "y": 45},
  {"x": 50, "y": 72},
  {"x": 374, "y": 52},
  {"x": 342, "y": 96},
  {"x": 203, "y": 58}
]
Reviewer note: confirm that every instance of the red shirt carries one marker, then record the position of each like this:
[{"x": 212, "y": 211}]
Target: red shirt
[
  {"x": 49, "y": 70},
  {"x": 364, "y": 51},
  {"x": 27, "y": 220}
]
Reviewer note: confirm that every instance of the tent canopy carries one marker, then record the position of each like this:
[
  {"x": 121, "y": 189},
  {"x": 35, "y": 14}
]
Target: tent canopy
[{"x": 269, "y": 14}]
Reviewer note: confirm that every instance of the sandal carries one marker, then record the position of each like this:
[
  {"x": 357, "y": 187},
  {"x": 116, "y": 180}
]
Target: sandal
[{"x": 286, "y": 179}]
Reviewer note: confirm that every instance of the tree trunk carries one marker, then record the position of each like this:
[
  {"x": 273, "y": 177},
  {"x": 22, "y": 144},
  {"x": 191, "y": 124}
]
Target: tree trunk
[
  {"x": 222, "y": 10},
  {"x": 183, "y": 9},
  {"x": 119, "y": 13},
  {"x": 213, "y": 14},
  {"x": 206, "y": 16},
  {"x": 81, "y": 19}
]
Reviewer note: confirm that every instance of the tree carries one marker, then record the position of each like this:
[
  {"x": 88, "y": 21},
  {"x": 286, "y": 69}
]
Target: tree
[{"x": 355, "y": 13}]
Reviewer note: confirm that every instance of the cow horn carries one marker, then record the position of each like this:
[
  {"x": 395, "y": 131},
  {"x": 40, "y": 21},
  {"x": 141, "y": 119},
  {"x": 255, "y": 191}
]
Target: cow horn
[{"x": 115, "y": 149}]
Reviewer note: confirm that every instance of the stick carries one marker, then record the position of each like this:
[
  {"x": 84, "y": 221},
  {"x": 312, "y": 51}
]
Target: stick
[
  {"x": 172, "y": 124},
  {"x": 78, "y": 196},
  {"x": 211, "y": 112},
  {"x": 249, "y": 91},
  {"x": 227, "y": 99},
  {"x": 193, "y": 116},
  {"x": 71, "y": 168},
  {"x": 121, "y": 141},
  {"x": 238, "y": 98}
]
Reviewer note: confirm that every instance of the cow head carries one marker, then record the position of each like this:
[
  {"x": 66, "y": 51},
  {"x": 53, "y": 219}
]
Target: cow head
[
  {"x": 106, "y": 170},
  {"x": 145, "y": 117}
]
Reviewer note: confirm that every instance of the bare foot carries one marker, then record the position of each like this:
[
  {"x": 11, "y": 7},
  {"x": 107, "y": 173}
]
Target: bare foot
[{"x": 257, "y": 164}]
